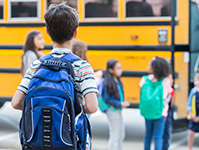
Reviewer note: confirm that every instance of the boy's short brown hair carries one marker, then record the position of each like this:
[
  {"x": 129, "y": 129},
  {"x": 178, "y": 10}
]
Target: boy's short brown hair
[{"x": 61, "y": 22}]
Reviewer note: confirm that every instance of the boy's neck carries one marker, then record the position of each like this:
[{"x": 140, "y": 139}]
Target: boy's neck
[{"x": 66, "y": 44}]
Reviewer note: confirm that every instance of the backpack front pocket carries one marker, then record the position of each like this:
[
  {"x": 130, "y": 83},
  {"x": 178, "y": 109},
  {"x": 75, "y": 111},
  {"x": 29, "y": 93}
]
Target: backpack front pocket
[{"x": 51, "y": 122}]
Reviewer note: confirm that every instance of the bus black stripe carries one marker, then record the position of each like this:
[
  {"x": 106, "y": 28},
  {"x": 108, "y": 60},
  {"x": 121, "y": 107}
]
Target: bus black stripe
[
  {"x": 149, "y": 23},
  {"x": 124, "y": 74},
  {"x": 178, "y": 48},
  {"x": 3, "y": 99},
  {"x": 145, "y": 23},
  {"x": 9, "y": 70}
]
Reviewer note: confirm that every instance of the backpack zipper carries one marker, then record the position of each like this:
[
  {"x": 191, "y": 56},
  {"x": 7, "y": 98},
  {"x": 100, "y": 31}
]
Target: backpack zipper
[
  {"x": 43, "y": 87},
  {"x": 55, "y": 81}
]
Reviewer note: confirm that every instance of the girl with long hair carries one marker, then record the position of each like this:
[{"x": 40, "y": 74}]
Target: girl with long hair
[
  {"x": 113, "y": 95},
  {"x": 32, "y": 49},
  {"x": 79, "y": 48}
]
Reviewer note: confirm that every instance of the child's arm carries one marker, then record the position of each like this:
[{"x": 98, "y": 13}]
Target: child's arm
[
  {"x": 191, "y": 115},
  {"x": 20, "y": 94},
  {"x": 172, "y": 98},
  {"x": 91, "y": 103},
  {"x": 110, "y": 100},
  {"x": 196, "y": 119},
  {"x": 87, "y": 86},
  {"x": 17, "y": 100},
  {"x": 168, "y": 99},
  {"x": 142, "y": 81},
  {"x": 125, "y": 104},
  {"x": 189, "y": 101}
]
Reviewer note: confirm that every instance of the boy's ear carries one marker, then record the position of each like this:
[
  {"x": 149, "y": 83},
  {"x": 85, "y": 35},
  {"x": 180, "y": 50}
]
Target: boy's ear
[{"x": 75, "y": 33}]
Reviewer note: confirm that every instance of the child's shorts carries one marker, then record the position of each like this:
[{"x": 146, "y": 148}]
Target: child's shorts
[{"x": 193, "y": 126}]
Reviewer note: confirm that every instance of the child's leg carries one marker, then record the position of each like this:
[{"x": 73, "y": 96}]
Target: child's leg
[
  {"x": 148, "y": 134},
  {"x": 114, "y": 131},
  {"x": 166, "y": 136},
  {"x": 167, "y": 132},
  {"x": 159, "y": 126},
  {"x": 190, "y": 139},
  {"x": 122, "y": 132}
]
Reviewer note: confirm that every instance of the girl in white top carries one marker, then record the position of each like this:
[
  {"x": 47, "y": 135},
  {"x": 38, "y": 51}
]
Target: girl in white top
[{"x": 32, "y": 50}]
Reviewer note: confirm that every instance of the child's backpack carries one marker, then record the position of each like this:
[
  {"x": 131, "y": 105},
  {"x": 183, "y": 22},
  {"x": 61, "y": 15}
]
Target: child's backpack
[
  {"x": 151, "y": 99},
  {"x": 101, "y": 103},
  {"x": 193, "y": 105},
  {"x": 52, "y": 116}
]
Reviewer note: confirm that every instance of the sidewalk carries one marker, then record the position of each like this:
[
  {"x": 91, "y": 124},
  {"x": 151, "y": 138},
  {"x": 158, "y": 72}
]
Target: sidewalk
[{"x": 10, "y": 141}]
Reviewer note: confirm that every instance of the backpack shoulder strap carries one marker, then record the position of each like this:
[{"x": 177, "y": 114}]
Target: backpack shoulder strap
[
  {"x": 146, "y": 78},
  {"x": 68, "y": 57},
  {"x": 161, "y": 80},
  {"x": 71, "y": 57}
]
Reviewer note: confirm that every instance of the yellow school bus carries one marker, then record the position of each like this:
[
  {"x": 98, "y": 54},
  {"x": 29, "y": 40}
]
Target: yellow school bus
[{"x": 130, "y": 31}]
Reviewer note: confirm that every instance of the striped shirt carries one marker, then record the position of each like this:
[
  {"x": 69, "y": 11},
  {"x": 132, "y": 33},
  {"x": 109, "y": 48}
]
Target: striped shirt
[{"x": 84, "y": 74}]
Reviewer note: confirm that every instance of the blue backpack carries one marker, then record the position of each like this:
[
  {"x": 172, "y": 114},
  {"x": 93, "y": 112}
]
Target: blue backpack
[{"x": 52, "y": 116}]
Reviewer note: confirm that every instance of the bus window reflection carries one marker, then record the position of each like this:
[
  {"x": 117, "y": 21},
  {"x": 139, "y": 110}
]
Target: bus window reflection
[
  {"x": 72, "y": 3},
  {"x": 148, "y": 8},
  {"x": 1, "y": 9},
  {"x": 101, "y": 8},
  {"x": 23, "y": 9}
]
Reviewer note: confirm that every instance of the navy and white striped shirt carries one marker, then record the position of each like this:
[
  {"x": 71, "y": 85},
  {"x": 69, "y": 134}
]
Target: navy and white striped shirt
[{"x": 84, "y": 74}]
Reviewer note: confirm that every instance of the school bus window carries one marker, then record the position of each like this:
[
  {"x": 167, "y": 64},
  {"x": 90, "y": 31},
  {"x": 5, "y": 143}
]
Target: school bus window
[
  {"x": 24, "y": 9},
  {"x": 101, "y": 8},
  {"x": 1, "y": 9},
  {"x": 72, "y": 3},
  {"x": 148, "y": 8}
]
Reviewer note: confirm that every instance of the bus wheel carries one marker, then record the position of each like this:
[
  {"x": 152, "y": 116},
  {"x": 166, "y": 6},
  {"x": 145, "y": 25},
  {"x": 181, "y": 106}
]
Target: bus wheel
[{"x": 1, "y": 104}]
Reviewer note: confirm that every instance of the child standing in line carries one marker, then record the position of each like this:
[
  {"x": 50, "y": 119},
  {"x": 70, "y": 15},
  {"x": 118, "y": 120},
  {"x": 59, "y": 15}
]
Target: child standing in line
[
  {"x": 114, "y": 96},
  {"x": 158, "y": 69},
  {"x": 193, "y": 111},
  {"x": 32, "y": 50},
  {"x": 168, "y": 126},
  {"x": 79, "y": 48}
]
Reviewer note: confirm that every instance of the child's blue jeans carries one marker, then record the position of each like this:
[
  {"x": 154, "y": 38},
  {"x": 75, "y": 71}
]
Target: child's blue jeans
[
  {"x": 168, "y": 130},
  {"x": 154, "y": 129}
]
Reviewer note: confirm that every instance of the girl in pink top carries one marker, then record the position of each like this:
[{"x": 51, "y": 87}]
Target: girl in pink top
[{"x": 158, "y": 68}]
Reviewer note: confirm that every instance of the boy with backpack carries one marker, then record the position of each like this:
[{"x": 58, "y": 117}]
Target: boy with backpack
[{"x": 53, "y": 88}]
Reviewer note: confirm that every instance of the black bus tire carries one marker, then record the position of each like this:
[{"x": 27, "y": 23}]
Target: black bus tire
[{"x": 1, "y": 104}]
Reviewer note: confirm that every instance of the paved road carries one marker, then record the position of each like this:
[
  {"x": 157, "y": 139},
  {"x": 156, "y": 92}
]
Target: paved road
[
  {"x": 134, "y": 124},
  {"x": 9, "y": 119},
  {"x": 135, "y": 129}
]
